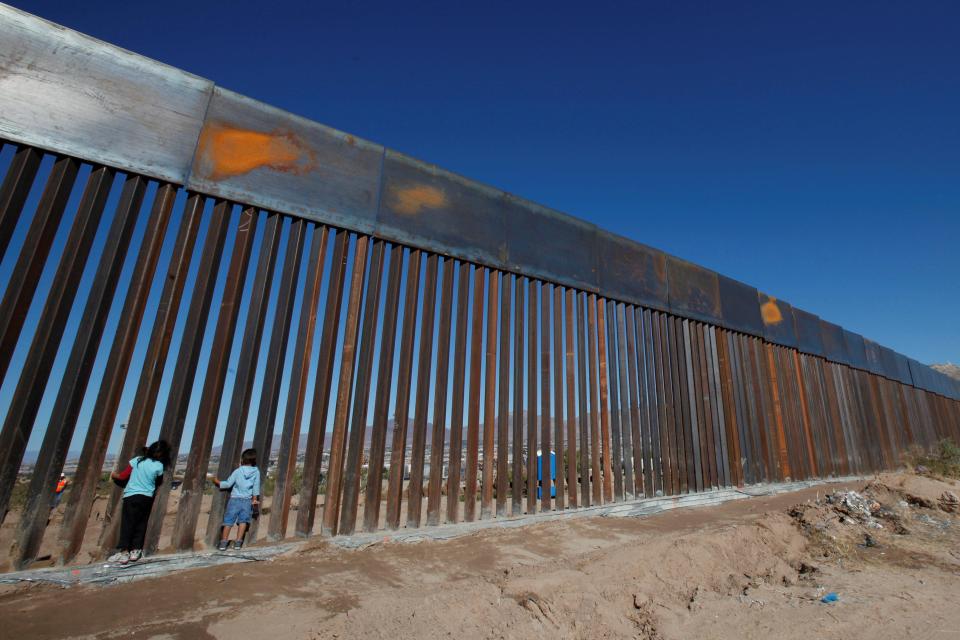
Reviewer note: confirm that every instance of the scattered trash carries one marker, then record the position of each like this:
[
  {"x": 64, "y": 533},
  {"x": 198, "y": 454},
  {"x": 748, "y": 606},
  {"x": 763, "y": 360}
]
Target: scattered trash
[
  {"x": 856, "y": 508},
  {"x": 830, "y": 597}
]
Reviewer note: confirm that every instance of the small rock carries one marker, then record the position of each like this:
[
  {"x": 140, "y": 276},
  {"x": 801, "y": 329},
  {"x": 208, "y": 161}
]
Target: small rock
[
  {"x": 869, "y": 541},
  {"x": 949, "y": 502}
]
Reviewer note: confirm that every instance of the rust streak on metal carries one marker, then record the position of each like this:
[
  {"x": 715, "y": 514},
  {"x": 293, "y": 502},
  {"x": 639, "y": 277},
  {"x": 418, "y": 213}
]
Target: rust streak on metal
[{"x": 225, "y": 151}]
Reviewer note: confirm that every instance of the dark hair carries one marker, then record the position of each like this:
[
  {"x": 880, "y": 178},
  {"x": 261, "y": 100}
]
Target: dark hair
[
  {"x": 159, "y": 451},
  {"x": 249, "y": 457}
]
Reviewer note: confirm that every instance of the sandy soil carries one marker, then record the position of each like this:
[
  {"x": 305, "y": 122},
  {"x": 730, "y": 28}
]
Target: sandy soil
[{"x": 746, "y": 569}]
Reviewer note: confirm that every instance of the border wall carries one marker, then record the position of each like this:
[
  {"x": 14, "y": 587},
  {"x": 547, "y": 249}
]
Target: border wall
[{"x": 411, "y": 337}]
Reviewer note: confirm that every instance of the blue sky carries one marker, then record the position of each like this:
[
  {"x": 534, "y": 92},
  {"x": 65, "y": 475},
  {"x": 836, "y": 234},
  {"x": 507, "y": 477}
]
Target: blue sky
[{"x": 809, "y": 149}]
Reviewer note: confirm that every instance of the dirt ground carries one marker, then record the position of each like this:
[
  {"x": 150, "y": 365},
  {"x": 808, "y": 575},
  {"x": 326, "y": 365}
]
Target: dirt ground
[{"x": 746, "y": 569}]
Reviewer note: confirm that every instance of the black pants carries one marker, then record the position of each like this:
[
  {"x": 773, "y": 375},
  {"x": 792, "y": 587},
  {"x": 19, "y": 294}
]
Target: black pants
[{"x": 133, "y": 522}]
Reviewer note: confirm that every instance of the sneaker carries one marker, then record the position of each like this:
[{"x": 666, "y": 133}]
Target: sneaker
[
  {"x": 135, "y": 555},
  {"x": 117, "y": 558},
  {"x": 223, "y": 545},
  {"x": 237, "y": 545}
]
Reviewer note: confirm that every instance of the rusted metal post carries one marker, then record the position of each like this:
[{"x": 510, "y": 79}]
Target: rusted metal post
[
  {"x": 438, "y": 435},
  {"x": 516, "y": 493},
  {"x": 572, "y": 480},
  {"x": 402, "y": 407},
  {"x": 545, "y": 448},
  {"x": 178, "y": 400},
  {"x": 276, "y": 353},
  {"x": 348, "y": 362},
  {"x": 490, "y": 396},
  {"x": 246, "y": 370},
  {"x": 459, "y": 375},
  {"x": 14, "y": 191},
  {"x": 33, "y": 256},
  {"x": 473, "y": 405},
  {"x": 532, "y": 305},
  {"x": 198, "y": 460},
  {"x": 358, "y": 426},
  {"x": 323, "y": 384},
  {"x": 299, "y": 371},
  {"x": 63, "y": 419},
  {"x": 582, "y": 352},
  {"x": 145, "y": 398},
  {"x": 421, "y": 403},
  {"x": 90, "y": 464},
  {"x": 503, "y": 413},
  {"x": 378, "y": 439},
  {"x": 558, "y": 421},
  {"x": 25, "y": 402}
]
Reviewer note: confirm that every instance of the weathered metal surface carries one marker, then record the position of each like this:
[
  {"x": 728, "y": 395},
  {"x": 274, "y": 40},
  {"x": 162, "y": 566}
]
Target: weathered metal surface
[
  {"x": 874, "y": 362},
  {"x": 436, "y": 210},
  {"x": 90, "y": 465},
  {"x": 738, "y": 306},
  {"x": 299, "y": 368},
  {"x": 424, "y": 365},
  {"x": 323, "y": 383},
  {"x": 856, "y": 349},
  {"x": 503, "y": 398},
  {"x": 694, "y": 291},
  {"x": 489, "y": 395},
  {"x": 364, "y": 384},
  {"x": 543, "y": 243},
  {"x": 145, "y": 398},
  {"x": 631, "y": 271},
  {"x": 545, "y": 418},
  {"x": 25, "y": 402},
  {"x": 381, "y": 408},
  {"x": 516, "y": 488},
  {"x": 348, "y": 363},
  {"x": 441, "y": 383},
  {"x": 277, "y": 351},
  {"x": 473, "y": 407},
  {"x": 402, "y": 406},
  {"x": 242, "y": 394},
  {"x": 834, "y": 347},
  {"x": 63, "y": 419},
  {"x": 14, "y": 191},
  {"x": 533, "y": 303},
  {"x": 185, "y": 369},
  {"x": 571, "y": 414},
  {"x": 253, "y": 153},
  {"x": 809, "y": 332},
  {"x": 33, "y": 255},
  {"x": 79, "y": 96},
  {"x": 558, "y": 418},
  {"x": 457, "y": 393},
  {"x": 198, "y": 460},
  {"x": 778, "y": 322}
]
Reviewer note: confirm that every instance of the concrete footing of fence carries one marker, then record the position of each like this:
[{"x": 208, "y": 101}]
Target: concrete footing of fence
[{"x": 105, "y": 573}]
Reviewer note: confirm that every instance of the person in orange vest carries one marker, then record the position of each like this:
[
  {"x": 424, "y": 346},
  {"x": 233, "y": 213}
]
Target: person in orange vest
[{"x": 58, "y": 493}]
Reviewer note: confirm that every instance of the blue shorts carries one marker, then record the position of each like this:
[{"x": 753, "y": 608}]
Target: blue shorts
[{"x": 239, "y": 511}]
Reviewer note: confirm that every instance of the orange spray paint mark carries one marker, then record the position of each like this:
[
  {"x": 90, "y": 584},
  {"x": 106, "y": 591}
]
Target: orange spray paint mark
[
  {"x": 413, "y": 200},
  {"x": 225, "y": 152},
  {"x": 771, "y": 312}
]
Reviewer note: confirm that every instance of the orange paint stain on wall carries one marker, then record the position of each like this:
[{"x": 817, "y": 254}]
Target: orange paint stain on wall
[
  {"x": 413, "y": 200},
  {"x": 771, "y": 312},
  {"x": 224, "y": 152}
]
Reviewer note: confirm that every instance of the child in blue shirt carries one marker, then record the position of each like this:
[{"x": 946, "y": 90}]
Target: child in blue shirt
[
  {"x": 244, "y": 485},
  {"x": 142, "y": 476}
]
